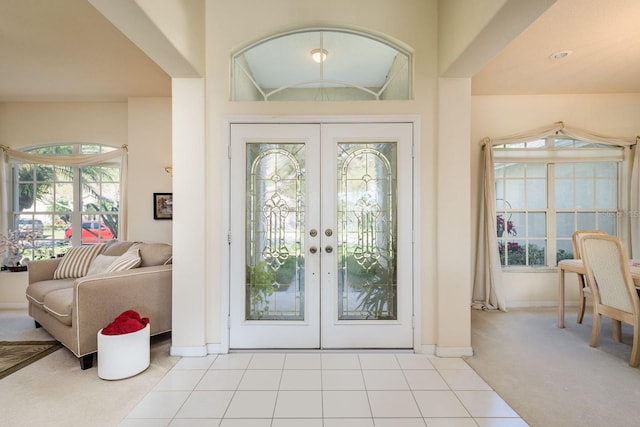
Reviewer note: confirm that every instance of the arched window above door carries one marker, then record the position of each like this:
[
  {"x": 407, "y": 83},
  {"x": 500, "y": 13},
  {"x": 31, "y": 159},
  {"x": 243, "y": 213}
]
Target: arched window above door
[{"x": 321, "y": 65}]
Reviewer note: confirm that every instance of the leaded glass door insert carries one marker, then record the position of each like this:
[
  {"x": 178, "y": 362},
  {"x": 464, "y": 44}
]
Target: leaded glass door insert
[
  {"x": 320, "y": 236},
  {"x": 275, "y": 226},
  {"x": 367, "y": 229}
]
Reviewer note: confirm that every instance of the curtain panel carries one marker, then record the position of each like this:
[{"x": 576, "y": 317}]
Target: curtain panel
[
  {"x": 15, "y": 156},
  {"x": 488, "y": 292}
]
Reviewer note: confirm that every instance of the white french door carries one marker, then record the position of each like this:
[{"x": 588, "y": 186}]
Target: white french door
[{"x": 321, "y": 236}]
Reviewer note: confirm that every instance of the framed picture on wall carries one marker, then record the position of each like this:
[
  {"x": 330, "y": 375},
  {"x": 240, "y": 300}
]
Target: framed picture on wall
[{"x": 162, "y": 205}]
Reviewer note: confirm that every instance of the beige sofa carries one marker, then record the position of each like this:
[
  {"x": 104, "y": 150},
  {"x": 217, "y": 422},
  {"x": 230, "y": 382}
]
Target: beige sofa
[{"x": 74, "y": 309}]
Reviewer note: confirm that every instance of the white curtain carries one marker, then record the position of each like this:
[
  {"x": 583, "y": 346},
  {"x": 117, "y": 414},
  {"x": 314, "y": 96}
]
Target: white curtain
[
  {"x": 488, "y": 292},
  {"x": 14, "y": 156}
]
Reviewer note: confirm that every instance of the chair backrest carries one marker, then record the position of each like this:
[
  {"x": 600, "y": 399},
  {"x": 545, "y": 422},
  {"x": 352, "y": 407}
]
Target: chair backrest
[
  {"x": 608, "y": 275},
  {"x": 575, "y": 240}
]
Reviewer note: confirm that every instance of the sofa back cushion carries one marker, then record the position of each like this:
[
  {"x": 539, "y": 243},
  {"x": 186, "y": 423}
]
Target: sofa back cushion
[
  {"x": 76, "y": 262},
  {"x": 117, "y": 247},
  {"x": 155, "y": 254}
]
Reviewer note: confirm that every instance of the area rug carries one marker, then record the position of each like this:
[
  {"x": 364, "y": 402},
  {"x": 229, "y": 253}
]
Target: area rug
[{"x": 17, "y": 355}]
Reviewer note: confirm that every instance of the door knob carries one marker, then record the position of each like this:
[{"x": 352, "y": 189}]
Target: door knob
[
  {"x": 328, "y": 249},
  {"x": 313, "y": 249}
]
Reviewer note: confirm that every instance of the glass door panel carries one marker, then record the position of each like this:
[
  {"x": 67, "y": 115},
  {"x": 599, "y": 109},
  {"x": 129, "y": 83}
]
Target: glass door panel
[{"x": 367, "y": 228}]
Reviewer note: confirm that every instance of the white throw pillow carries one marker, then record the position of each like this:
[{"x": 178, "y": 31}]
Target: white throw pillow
[
  {"x": 128, "y": 260},
  {"x": 101, "y": 263},
  {"x": 75, "y": 263}
]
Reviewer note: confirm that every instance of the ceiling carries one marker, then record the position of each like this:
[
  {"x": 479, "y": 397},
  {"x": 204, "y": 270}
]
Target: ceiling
[{"x": 65, "y": 50}]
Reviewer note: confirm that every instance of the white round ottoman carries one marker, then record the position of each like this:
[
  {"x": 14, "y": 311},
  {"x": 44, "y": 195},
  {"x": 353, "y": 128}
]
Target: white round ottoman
[{"x": 123, "y": 356}]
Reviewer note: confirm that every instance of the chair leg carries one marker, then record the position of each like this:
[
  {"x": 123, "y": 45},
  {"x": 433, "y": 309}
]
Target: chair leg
[
  {"x": 617, "y": 330},
  {"x": 634, "y": 361},
  {"x": 595, "y": 331},
  {"x": 581, "y": 309},
  {"x": 581, "y": 286}
]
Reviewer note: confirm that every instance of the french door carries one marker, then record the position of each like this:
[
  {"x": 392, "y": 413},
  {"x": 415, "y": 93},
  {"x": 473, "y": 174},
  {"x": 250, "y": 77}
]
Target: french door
[{"x": 321, "y": 236}]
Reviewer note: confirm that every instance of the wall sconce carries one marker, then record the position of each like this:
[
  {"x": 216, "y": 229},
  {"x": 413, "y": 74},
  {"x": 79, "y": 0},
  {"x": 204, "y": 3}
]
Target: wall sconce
[{"x": 169, "y": 170}]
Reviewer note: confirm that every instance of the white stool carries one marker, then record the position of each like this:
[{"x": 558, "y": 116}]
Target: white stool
[{"x": 123, "y": 356}]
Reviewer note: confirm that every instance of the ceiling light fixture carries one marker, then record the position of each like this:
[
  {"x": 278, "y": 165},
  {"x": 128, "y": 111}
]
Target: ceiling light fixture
[
  {"x": 560, "y": 55},
  {"x": 319, "y": 55}
]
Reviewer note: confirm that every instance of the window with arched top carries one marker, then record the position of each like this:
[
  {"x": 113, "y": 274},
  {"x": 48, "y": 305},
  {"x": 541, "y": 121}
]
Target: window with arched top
[{"x": 321, "y": 65}]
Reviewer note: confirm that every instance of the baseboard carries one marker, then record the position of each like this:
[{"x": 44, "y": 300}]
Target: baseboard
[
  {"x": 197, "y": 351},
  {"x": 454, "y": 351},
  {"x": 429, "y": 349},
  {"x": 215, "y": 348}
]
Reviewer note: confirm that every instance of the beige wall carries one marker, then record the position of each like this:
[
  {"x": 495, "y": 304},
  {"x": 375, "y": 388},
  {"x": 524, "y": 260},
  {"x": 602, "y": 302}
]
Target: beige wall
[
  {"x": 149, "y": 136},
  {"x": 414, "y": 25},
  {"x": 143, "y": 124},
  {"x": 495, "y": 116}
]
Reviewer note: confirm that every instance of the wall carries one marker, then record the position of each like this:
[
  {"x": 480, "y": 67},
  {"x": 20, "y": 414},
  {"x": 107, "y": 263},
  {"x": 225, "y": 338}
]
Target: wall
[
  {"x": 414, "y": 24},
  {"x": 143, "y": 124},
  {"x": 149, "y": 136},
  {"x": 495, "y": 116}
]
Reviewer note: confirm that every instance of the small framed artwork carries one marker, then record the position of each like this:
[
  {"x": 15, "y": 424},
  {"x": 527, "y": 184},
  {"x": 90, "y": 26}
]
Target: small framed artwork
[{"x": 162, "y": 205}]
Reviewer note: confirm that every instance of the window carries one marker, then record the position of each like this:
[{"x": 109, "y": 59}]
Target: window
[
  {"x": 321, "y": 65},
  {"x": 51, "y": 202},
  {"x": 548, "y": 188}
]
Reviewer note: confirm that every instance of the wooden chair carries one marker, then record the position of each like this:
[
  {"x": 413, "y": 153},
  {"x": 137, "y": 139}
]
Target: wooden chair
[
  {"x": 613, "y": 290},
  {"x": 582, "y": 286}
]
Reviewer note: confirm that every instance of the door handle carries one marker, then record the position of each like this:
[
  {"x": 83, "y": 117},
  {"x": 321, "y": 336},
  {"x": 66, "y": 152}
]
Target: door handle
[
  {"x": 313, "y": 249},
  {"x": 328, "y": 249}
]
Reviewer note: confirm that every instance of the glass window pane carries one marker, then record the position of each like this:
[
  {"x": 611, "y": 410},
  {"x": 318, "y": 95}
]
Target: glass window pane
[
  {"x": 536, "y": 170},
  {"x": 564, "y": 194},
  {"x": 515, "y": 170},
  {"x": 565, "y": 224},
  {"x": 564, "y": 250},
  {"x": 585, "y": 194},
  {"x": 606, "y": 194},
  {"x": 586, "y": 220},
  {"x": 537, "y": 225},
  {"x": 607, "y": 170},
  {"x": 584, "y": 170},
  {"x": 564, "y": 170},
  {"x": 608, "y": 222},
  {"x": 514, "y": 193},
  {"x": 537, "y": 252},
  {"x": 536, "y": 194},
  {"x": 516, "y": 252},
  {"x": 516, "y": 224}
]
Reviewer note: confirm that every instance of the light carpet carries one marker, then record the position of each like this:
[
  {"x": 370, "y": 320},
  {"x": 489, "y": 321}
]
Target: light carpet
[
  {"x": 551, "y": 376},
  {"x": 54, "y": 391}
]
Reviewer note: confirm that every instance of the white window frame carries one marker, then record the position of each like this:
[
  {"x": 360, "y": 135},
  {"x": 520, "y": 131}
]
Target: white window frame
[{"x": 535, "y": 152}]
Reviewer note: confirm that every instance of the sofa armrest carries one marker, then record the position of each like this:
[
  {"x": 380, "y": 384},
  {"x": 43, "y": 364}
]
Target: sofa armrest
[
  {"x": 100, "y": 298},
  {"x": 42, "y": 269}
]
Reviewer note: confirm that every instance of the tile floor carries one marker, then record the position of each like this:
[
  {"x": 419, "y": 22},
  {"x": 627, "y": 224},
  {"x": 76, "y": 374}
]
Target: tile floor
[{"x": 322, "y": 390}]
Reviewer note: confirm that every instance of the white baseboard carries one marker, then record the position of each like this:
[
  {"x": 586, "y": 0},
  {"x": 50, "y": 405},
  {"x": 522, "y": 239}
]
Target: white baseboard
[
  {"x": 428, "y": 349},
  {"x": 198, "y": 351},
  {"x": 454, "y": 351},
  {"x": 215, "y": 348}
]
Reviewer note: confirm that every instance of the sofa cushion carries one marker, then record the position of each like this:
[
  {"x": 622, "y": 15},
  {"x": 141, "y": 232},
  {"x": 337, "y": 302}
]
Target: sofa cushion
[
  {"x": 155, "y": 254},
  {"x": 101, "y": 263},
  {"x": 76, "y": 262},
  {"x": 36, "y": 292},
  {"x": 117, "y": 247},
  {"x": 128, "y": 260},
  {"x": 58, "y": 304}
]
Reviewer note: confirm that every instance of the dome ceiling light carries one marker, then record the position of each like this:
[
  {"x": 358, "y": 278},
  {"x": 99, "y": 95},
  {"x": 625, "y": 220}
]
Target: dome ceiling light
[{"x": 319, "y": 55}]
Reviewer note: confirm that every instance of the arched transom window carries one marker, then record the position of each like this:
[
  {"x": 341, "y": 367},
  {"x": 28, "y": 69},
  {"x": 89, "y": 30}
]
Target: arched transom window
[{"x": 321, "y": 65}]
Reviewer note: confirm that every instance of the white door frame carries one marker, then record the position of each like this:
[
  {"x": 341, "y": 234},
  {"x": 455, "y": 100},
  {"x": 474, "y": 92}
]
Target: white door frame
[{"x": 225, "y": 279}]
